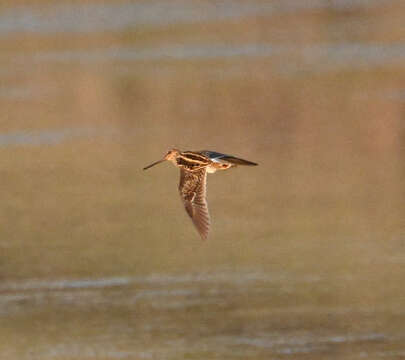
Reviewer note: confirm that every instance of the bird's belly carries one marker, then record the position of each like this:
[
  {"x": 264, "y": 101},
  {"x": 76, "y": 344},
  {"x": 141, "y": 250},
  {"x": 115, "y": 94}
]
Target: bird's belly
[
  {"x": 211, "y": 169},
  {"x": 216, "y": 165}
]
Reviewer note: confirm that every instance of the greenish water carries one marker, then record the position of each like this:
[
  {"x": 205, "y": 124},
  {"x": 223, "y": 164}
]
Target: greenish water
[
  {"x": 224, "y": 314},
  {"x": 305, "y": 260}
]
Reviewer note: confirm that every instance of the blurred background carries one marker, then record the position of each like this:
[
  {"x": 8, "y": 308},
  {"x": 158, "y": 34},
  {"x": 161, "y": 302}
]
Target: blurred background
[{"x": 98, "y": 259}]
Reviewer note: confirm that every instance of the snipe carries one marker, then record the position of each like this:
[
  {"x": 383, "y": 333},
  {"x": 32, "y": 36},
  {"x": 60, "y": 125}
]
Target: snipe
[{"x": 194, "y": 166}]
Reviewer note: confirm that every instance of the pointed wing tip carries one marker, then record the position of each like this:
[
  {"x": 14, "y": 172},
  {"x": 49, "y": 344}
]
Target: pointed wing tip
[
  {"x": 248, "y": 162},
  {"x": 204, "y": 236},
  {"x": 203, "y": 228}
]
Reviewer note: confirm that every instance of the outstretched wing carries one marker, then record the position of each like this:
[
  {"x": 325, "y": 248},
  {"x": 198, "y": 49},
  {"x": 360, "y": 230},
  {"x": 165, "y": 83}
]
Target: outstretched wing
[
  {"x": 216, "y": 156},
  {"x": 192, "y": 189}
]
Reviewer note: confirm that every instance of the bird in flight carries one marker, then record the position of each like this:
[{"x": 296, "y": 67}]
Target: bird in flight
[{"x": 194, "y": 166}]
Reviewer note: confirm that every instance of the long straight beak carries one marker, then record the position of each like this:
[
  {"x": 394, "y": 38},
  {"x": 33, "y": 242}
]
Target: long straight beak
[{"x": 153, "y": 164}]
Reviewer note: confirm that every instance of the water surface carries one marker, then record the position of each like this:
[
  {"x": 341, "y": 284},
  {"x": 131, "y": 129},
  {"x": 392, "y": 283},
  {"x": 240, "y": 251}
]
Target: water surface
[{"x": 305, "y": 260}]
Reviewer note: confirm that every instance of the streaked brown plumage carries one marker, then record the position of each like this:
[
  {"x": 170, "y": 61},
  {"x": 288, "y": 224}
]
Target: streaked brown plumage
[
  {"x": 194, "y": 166},
  {"x": 192, "y": 189}
]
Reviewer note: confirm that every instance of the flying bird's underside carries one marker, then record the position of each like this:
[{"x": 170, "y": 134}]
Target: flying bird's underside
[{"x": 194, "y": 166}]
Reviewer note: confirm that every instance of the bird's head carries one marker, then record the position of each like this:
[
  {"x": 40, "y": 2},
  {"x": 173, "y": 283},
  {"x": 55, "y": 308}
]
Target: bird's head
[{"x": 171, "y": 155}]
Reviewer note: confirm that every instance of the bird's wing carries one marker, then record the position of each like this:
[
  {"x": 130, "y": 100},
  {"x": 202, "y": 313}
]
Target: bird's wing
[
  {"x": 219, "y": 157},
  {"x": 192, "y": 190}
]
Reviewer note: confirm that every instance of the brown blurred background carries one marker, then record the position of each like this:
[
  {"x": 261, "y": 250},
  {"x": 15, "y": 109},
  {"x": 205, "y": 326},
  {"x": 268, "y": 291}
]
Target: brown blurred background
[{"x": 305, "y": 260}]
